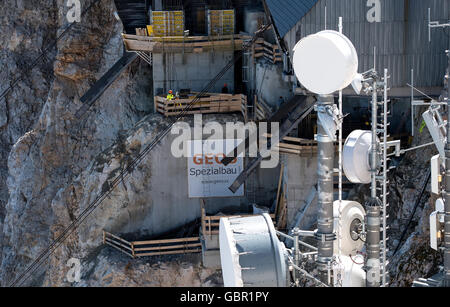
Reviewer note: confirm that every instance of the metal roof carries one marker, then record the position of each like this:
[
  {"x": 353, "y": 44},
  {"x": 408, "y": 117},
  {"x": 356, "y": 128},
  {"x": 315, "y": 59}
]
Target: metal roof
[{"x": 286, "y": 13}]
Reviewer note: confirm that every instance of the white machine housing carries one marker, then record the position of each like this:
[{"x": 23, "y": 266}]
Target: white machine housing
[
  {"x": 437, "y": 127},
  {"x": 325, "y": 62},
  {"x": 251, "y": 253},
  {"x": 436, "y": 224},
  {"x": 436, "y": 175},
  {"x": 352, "y": 213},
  {"x": 356, "y": 156},
  {"x": 350, "y": 264}
]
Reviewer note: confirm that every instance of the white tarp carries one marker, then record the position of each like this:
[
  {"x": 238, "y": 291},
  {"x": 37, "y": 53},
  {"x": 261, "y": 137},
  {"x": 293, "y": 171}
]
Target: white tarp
[{"x": 207, "y": 176}]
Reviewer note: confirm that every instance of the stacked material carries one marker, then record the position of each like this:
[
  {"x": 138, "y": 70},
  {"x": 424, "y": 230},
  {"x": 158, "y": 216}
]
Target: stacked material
[
  {"x": 221, "y": 22},
  {"x": 168, "y": 23}
]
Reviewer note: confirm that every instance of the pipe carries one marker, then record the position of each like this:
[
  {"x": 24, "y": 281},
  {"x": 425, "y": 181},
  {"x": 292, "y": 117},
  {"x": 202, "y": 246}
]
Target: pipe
[
  {"x": 373, "y": 205},
  {"x": 447, "y": 188},
  {"x": 325, "y": 234}
]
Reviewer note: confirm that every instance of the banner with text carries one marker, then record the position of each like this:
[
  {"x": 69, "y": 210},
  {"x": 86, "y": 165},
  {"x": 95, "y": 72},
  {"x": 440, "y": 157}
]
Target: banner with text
[{"x": 207, "y": 176}]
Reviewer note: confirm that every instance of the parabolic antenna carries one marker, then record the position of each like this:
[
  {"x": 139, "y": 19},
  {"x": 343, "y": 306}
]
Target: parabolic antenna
[
  {"x": 251, "y": 254},
  {"x": 325, "y": 62},
  {"x": 356, "y": 156},
  {"x": 352, "y": 218}
]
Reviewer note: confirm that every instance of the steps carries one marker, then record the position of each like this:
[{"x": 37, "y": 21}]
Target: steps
[
  {"x": 102, "y": 85},
  {"x": 289, "y": 116},
  {"x": 133, "y": 14}
]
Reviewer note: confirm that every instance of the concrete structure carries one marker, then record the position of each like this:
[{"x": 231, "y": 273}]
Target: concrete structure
[
  {"x": 175, "y": 71},
  {"x": 270, "y": 84},
  {"x": 300, "y": 179},
  {"x": 168, "y": 207}
]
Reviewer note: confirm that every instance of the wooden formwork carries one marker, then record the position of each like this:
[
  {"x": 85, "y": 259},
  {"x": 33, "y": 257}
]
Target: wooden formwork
[
  {"x": 262, "y": 109},
  {"x": 139, "y": 249},
  {"x": 297, "y": 146},
  {"x": 269, "y": 51},
  {"x": 181, "y": 44},
  {"x": 213, "y": 103}
]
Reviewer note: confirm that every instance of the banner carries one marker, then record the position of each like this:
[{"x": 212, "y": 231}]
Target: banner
[{"x": 207, "y": 176}]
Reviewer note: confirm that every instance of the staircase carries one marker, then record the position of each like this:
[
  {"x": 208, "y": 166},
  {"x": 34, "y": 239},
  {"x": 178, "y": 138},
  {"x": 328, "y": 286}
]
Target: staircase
[
  {"x": 288, "y": 116},
  {"x": 133, "y": 14},
  {"x": 102, "y": 85}
]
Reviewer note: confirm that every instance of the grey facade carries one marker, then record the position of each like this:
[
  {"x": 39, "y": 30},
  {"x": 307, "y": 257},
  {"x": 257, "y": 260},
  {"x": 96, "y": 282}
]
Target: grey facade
[{"x": 400, "y": 38}]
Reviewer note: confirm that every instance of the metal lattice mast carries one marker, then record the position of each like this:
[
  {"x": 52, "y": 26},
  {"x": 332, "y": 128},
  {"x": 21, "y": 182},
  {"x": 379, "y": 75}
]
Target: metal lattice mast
[
  {"x": 384, "y": 180},
  {"x": 373, "y": 206},
  {"x": 447, "y": 188}
]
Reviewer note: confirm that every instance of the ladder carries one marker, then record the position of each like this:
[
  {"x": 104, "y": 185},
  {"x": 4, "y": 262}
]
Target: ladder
[{"x": 383, "y": 182}]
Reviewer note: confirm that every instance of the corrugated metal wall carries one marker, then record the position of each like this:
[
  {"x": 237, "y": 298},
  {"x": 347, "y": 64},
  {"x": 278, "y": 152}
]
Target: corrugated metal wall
[{"x": 401, "y": 38}]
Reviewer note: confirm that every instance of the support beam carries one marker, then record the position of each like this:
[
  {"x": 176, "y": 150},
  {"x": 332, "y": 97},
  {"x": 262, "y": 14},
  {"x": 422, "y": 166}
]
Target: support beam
[{"x": 325, "y": 169}]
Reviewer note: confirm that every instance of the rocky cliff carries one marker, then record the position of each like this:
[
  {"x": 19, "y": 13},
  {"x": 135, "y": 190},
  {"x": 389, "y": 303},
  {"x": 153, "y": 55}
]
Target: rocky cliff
[{"x": 45, "y": 147}]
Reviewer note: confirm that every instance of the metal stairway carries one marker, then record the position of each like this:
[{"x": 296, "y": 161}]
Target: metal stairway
[
  {"x": 133, "y": 14},
  {"x": 102, "y": 85},
  {"x": 288, "y": 116}
]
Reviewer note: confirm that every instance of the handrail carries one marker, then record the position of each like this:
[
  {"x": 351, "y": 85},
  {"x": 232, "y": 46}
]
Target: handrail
[{"x": 139, "y": 249}]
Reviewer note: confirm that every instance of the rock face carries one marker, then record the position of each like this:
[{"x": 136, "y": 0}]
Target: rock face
[
  {"x": 410, "y": 255},
  {"x": 47, "y": 147}
]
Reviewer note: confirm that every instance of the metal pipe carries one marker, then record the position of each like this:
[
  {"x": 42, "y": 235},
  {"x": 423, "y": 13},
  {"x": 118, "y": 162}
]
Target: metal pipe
[
  {"x": 300, "y": 242},
  {"x": 373, "y": 205},
  {"x": 325, "y": 234},
  {"x": 341, "y": 161},
  {"x": 447, "y": 187},
  {"x": 296, "y": 258},
  {"x": 385, "y": 170}
]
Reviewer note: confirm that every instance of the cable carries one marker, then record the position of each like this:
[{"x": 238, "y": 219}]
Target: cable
[
  {"x": 43, "y": 53},
  {"x": 123, "y": 175},
  {"x": 424, "y": 187}
]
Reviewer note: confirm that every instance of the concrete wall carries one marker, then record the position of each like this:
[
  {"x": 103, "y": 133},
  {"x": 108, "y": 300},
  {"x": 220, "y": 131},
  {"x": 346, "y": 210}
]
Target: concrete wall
[
  {"x": 270, "y": 84},
  {"x": 175, "y": 71},
  {"x": 163, "y": 204},
  {"x": 300, "y": 177}
]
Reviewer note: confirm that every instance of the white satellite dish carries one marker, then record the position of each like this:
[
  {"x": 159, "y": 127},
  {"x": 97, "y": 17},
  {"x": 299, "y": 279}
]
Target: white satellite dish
[
  {"x": 356, "y": 156},
  {"x": 352, "y": 217},
  {"x": 325, "y": 62},
  {"x": 251, "y": 253}
]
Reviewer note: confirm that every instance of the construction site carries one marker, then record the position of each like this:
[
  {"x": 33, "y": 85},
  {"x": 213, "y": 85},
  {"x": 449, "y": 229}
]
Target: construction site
[{"x": 225, "y": 143}]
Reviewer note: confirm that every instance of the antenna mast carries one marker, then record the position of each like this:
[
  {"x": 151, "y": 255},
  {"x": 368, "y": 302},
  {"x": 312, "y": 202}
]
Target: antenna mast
[
  {"x": 447, "y": 187},
  {"x": 434, "y": 24}
]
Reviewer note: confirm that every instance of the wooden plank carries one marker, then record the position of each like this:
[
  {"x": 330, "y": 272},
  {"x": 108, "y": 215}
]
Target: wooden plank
[
  {"x": 169, "y": 253},
  {"x": 166, "y": 241},
  {"x": 216, "y": 218},
  {"x": 168, "y": 39},
  {"x": 120, "y": 250},
  {"x": 161, "y": 248},
  {"x": 279, "y": 189},
  {"x": 117, "y": 238},
  {"x": 119, "y": 244},
  {"x": 203, "y": 211}
]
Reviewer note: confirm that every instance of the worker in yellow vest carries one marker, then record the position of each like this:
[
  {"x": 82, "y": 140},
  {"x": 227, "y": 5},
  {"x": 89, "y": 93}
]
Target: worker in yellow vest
[{"x": 170, "y": 96}]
